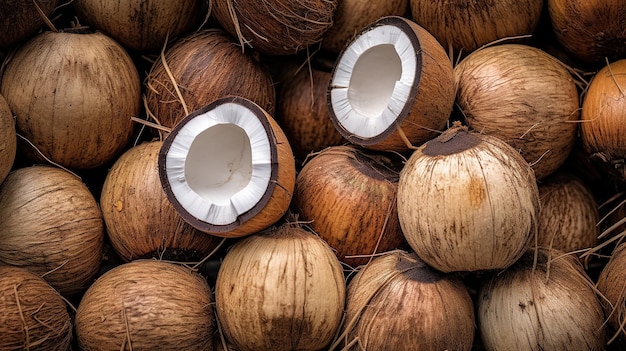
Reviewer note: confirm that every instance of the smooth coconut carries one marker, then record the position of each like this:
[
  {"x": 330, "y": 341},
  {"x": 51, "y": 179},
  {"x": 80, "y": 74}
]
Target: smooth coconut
[
  {"x": 20, "y": 20},
  {"x": 392, "y": 86},
  {"x": 8, "y": 139},
  {"x": 228, "y": 168},
  {"x": 140, "y": 220},
  {"x": 73, "y": 96}
]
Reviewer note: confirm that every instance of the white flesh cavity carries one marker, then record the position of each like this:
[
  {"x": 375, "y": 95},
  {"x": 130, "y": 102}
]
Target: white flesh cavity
[
  {"x": 373, "y": 81},
  {"x": 219, "y": 164}
]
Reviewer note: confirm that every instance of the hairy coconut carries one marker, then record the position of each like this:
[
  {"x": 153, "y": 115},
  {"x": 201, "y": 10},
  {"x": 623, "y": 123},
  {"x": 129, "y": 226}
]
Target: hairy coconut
[
  {"x": 360, "y": 187},
  {"x": 146, "y": 305},
  {"x": 139, "y": 218},
  {"x": 280, "y": 289},
  {"x": 466, "y": 25},
  {"x": 228, "y": 168},
  {"x": 51, "y": 224},
  {"x": 612, "y": 285},
  {"x": 524, "y": 96},
  {"x": 20, "y": 19},
  {"x": 351, "y": 16},
  {"x": 545, "y": 301},
  {"x": 206, "y": 65},
  {"x": 392, "y": 86},
  {"x": 8, "y": 139},
  {"x": 139, "y": 24},
  {"x": 397, "y": 302},
  {"x": 468, "y": 202},
  {"x": 73, "y": 96},
  {"x": 33, "y": 316},
  {"x": 275, "y": 27}
]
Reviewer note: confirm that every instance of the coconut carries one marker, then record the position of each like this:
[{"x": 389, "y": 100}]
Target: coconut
[
  {"x": 139, "y": 218},
  {"x": 483, "y": 218},
  {"x": 205, "y": 66},
  {"x": 8, "y": 139},
  {"x": 523, "y": 96},
  {"x": 464, "y": 26},
  {"x": 51, "y": 224},
  {"x": 280, "y": 289},
  {"x": 360, "y": 187},
  {"x": 397, "y": 290},
  {"x": 21, "y": 19},
  {"x": 603, "y": 116},
  {"x": 33, "y": 315},
  {"x": 351, "y": 16},
  {"x": 612, "y": 284},
  {"x": 545, "y": 301},
  {"x": 228, "y": 168},
  {"x": 141, "y": 25},
  {"x": 392, "y": 86},
  {"x": 275, "y": 27},
  {"x": 146, "y": 305},
  {"x": 73, "y": 96}
]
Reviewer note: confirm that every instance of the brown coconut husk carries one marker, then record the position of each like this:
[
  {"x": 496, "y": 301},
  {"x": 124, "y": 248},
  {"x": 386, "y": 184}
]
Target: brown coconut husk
[
  {"x": 8, "y": 139},
  {"x": 20, "y": 20}
]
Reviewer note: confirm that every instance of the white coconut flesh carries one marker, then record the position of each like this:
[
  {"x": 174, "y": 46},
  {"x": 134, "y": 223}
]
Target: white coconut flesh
[
  {"x": 372, "y": 81},
  {"x": 219, "y": 164}
]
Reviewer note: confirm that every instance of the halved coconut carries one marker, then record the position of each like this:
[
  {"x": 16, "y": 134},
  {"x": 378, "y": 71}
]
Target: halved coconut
[
  {"x": 228, "y": 168},
  {"x": 392, "y": 86}
]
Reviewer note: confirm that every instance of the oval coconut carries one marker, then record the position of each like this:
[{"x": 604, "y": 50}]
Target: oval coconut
[
  {"x": 524, "y": 96},
  {"x": 51, "y": 224},
  {"x": 612, "y": 284},
  {"x": 73, "y": 96},
  {"x": 20, "y": 20},
  {"x": 392, "y": 86},
  {"x": 206, "y": 65},
  {"x": 8, "y": 139},
  {"x": 139, "y": 218},
  {"x": 146, "y": 305},
  {"x": 33, "y": 316}
]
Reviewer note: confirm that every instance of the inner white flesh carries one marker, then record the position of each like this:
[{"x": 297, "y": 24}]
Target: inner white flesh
[
  {"x": 373, "y": 81},
  {"x": 219, "y": 164}
]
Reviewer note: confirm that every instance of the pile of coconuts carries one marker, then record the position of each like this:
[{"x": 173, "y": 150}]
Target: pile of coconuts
[{"x": 312, "y": 175}]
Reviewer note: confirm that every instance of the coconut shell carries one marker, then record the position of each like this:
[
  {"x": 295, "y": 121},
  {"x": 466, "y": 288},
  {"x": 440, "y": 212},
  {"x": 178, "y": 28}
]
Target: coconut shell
[
  {"x": 524, "y": 96},
  {"x": 206, "y": 65},
  {"x": 611, "y": 284},
  {"x": 8, "y": 139},
  {"x": 51, "y": 224},
  {"x": 139, "y": 218},
  {"x": 33, "y": 316},
  {"x": 20, "y": 20},
  {"x": 73, "y": 96},
  {"x": 151, "y": 305},
  {"x": 275, "y": 27}
]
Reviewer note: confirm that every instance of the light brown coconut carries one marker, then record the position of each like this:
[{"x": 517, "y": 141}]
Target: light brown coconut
[
  {"x": 8, "y": 139},
  {"x": 397, "y": 302},
  {"x": 206, "y": 65},
  {"x": 50, "y": 224},
  {"x": 348, "y": 194},
  {"x": 146, "y": 305},
  {"x": 524, "y": 96},
  {"x": 139, "y": 24},
  {"x": 465, "y": 25},
  {"x": 139, "y": 218},
  {"x": 33, "y": 316},
  {"x": 73, "y": 96},
  {"x": 612, "y": 284},
  {"x": 20, "y": 19},
  {"x": 288, "y": 287},
  {"x": 275, "y": 27}
]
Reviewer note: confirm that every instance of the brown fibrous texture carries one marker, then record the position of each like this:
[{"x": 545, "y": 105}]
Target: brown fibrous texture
[
  {"x": 8, "y": 139},
  {"x": 19, "y": 20},
  {"x": 612, "y": 285}
]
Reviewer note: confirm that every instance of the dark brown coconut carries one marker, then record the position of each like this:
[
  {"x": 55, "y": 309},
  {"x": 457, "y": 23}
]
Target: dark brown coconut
[
  {"x": 33, "y": 316},
  {"x": 275, "y": 27},
  {"x": 51, "y": 224},
  {"x": 8, "y": 139},
  {"x": 139, "y": 218},
  {"x": 146, "y": 305},
  {"x": 360, "y": 187},
  {"x": 20, "y": 19},
  {"x": 73, "y": 96},
  {"x": 206, "y": 65}
]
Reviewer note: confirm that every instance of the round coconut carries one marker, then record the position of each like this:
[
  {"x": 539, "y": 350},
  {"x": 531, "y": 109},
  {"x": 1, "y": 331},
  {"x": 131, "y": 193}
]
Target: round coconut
[
  {"x": 228, "y": 168},
  {"x": 139, "y": 219},
  {"x": 8, "y": 139},
  {"x": 33, "y": 316},
  {"x": 73, "y": 96},
  {"x": 51, "y": 224},
  {"x": 524, "y": 96},
  {"x": 611, "y": 284},
  {"x": 146, "y": 305},
  {"x": 392, "y": 86},
  {"x": 204, "y": 66},
  {"x": 21, "y": 19}
]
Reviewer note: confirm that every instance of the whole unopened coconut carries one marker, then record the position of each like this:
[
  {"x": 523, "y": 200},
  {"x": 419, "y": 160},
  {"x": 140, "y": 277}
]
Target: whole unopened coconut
[
  {"x": 8, "y": 139},
  {"x": 20, "y": 19}
]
